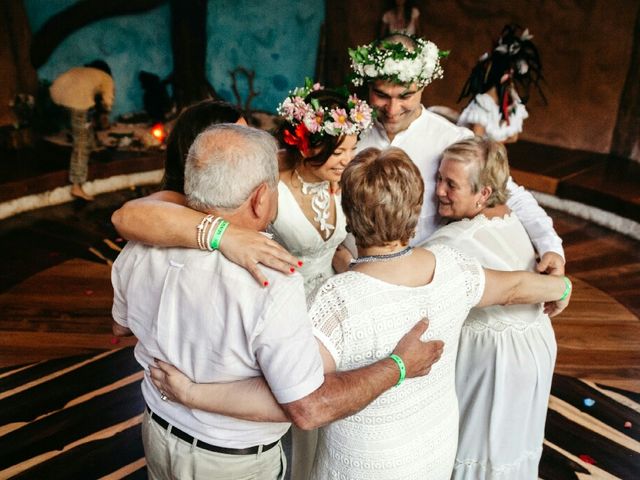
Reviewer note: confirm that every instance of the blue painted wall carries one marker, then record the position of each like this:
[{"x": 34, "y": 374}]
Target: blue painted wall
[{"x": 277, "y": 39}]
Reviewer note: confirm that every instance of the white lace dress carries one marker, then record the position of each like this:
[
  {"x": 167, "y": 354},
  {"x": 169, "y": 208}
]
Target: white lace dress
[
  {"x": 411, "y": 431},
  {"x": 483, "y": 110},
  {"x": 295, "y": 232},
  {"x": 505, "y": 361}
]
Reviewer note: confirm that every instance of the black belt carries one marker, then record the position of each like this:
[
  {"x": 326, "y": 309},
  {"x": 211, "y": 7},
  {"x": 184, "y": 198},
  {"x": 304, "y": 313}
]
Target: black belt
[{"x": 207, "y": 446}]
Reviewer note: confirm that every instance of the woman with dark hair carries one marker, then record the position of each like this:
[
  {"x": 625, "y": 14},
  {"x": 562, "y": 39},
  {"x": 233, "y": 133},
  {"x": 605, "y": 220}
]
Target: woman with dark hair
[
  {"x": 499, "y": 87},
  {"x": 319, "y": 135},
  {"x": 401, "y": 17},
  {"x": 191, "y": 122}
]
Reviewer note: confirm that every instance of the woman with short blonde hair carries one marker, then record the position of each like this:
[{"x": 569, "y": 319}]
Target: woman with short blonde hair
[
  {"x": 490, "y": 166},
  {"x": 506, "y": 353}
]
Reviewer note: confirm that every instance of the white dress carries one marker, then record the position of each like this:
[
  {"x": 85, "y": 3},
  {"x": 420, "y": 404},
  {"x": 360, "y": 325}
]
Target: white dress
[
  {"x": 410, "y": 431},
  {"x": 295, "y": 232},
  {"x": 483, "y": 110},
  {"x": 505, "y": 361}
]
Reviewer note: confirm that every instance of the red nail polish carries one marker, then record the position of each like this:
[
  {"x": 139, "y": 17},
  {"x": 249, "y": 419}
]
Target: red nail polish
[
  {"x": 292, "y": 269},
  {"x": 265, "y": 283},
  {"x": 299, "y": 263}
]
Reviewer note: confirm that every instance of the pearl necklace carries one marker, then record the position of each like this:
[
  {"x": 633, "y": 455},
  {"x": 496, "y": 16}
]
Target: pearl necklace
[
  {"x": 320, "y": 202},
  {"x": 380, "y": 258}
]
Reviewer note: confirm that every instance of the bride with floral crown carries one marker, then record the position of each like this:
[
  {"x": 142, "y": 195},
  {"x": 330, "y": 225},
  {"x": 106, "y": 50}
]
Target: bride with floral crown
[{"x": 319, "y": 134}]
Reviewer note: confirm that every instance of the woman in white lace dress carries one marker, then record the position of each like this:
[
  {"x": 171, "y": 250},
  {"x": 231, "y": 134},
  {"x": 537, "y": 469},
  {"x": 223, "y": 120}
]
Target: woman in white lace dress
[
  {"x": 496, "y": 109},
  {"x": 506, "y": 353},
  {"x": 410, "y": 431}
]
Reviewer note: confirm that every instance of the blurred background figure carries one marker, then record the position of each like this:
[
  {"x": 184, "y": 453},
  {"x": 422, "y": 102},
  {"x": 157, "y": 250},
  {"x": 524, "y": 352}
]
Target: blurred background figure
[
  {"x": 499, "y": 85},
  {"x": 401, "y": 17},
  {"x": 80, "y": 90}
]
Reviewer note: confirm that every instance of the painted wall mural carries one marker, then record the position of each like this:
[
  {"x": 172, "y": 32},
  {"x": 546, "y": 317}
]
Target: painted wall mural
[{"x": 276, "y": 39}]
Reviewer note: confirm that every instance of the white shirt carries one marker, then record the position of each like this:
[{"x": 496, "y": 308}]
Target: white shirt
[
  {"x": 211, "y": 319},
  {"x": 424, "y": 141},
  {"x": 483, "y": 110}
]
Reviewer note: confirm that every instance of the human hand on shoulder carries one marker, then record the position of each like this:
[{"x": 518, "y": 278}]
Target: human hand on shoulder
[
  {"x": 249, "y": 248},
  {"x": 418, "y": 356}
]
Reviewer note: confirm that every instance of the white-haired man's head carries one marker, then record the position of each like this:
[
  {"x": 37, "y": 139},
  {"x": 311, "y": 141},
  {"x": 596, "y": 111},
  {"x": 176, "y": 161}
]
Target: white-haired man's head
[{"x": 230, "y": 168}]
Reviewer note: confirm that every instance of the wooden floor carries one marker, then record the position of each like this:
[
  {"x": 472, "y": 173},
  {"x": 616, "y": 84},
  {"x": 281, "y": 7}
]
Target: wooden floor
[{"x": 69, "y": 393}]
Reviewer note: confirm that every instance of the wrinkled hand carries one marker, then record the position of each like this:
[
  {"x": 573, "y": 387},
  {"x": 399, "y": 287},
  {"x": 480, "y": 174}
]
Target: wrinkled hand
[
  {"x": 418, "y": 356},
  {"x": 168, "y": 379},
  {"x": 341, "y": 259},
  {"x": 248, "y": 248},
  {"x": 551, "y": 263}
]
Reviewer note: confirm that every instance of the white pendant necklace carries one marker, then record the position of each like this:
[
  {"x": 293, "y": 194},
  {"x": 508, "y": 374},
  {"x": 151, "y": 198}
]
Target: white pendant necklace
[{"x": 320, "y": 202}]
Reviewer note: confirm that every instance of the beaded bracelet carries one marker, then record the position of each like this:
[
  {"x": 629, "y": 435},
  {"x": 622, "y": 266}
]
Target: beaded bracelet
[
  {"x": 403, "y": 369},
  {"x": 201, "y": 230},
  {"x": 567, "y": 288},
  {"x": 215, "y": 241}
]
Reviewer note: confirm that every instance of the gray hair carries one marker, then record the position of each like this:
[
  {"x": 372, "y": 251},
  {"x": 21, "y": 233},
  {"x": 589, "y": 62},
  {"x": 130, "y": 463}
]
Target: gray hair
[
  {"x": 488, "y": 166},
  {"x": 226, "y": 163}
]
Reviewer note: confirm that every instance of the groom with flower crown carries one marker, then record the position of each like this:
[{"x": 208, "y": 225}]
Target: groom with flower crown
[{"x": 396, "y": 71}]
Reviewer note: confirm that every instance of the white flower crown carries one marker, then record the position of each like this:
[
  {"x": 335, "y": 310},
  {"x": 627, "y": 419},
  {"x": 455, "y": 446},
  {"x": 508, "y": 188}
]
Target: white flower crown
[
  {"x": 383, "y": 60},
  {"x": 312, "y": 119}
]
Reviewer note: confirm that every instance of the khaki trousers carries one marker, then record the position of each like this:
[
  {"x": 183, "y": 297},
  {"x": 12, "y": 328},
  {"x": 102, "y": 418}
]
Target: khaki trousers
[{"x": 169, "y": 457}]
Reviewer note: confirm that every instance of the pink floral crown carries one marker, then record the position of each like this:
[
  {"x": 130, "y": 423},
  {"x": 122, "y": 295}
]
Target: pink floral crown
[{"x": 312, "y": 119}]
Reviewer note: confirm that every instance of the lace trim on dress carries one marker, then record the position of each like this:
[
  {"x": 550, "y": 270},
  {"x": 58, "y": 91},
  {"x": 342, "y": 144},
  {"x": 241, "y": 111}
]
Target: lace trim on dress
[{"x": 320, "y": 202}]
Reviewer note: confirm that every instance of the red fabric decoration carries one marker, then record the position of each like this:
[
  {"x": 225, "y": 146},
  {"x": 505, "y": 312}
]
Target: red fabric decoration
[
  {"x": 505, "y": 105},
  {"x": 299, "y": 139}
]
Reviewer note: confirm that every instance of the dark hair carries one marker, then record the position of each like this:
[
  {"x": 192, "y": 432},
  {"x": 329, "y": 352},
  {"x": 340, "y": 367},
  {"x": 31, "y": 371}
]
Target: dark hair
[
  {"x": 324, "y": 144},
  {"x": 513, "y": 52},
  {"x": 191, "y": 122},
  {"x": 99, "y": 65}
]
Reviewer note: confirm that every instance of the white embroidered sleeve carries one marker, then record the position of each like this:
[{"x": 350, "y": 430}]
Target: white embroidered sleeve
[{"x": 537, "y": 223}]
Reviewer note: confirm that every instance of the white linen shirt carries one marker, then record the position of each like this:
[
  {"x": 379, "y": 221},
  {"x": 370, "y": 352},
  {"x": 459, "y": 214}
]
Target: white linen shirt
[
  {"x": 424, "y": 141},
  {"x": 211, "y": 319}
]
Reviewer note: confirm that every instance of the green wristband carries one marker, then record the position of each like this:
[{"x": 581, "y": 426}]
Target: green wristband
[
  {"x": 400, "y": 363},
  {"x": 215, "y": 241},
  {"x": 567, "y": 288}
]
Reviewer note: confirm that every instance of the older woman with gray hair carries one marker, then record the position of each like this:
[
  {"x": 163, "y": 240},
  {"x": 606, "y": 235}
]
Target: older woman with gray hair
[{"x": 506, "y": 353}]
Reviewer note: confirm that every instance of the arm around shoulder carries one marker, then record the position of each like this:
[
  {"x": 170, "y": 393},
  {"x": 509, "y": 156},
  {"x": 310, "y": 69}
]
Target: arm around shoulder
[{"x": 347, "y": 392}]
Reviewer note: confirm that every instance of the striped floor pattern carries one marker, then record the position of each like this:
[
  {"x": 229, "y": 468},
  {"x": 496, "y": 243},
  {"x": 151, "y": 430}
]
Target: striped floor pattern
[{"x": 79, "y": 417}]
